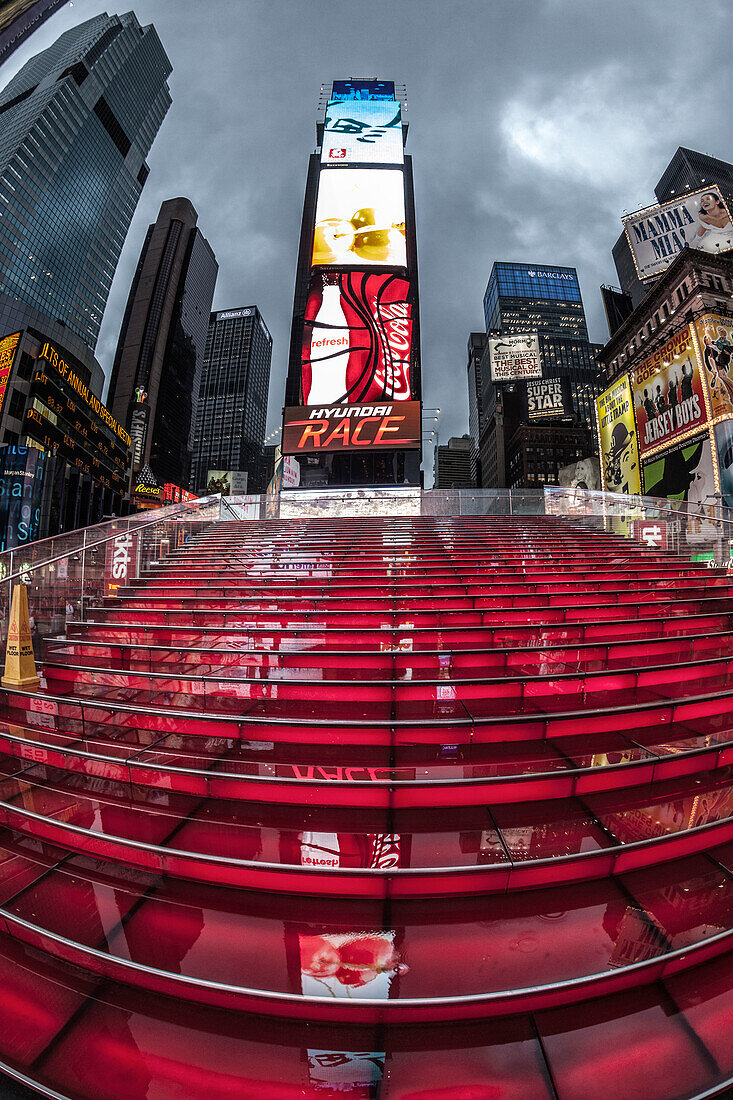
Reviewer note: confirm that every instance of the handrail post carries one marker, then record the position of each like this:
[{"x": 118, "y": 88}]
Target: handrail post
[{"x": 83, "y": 571}]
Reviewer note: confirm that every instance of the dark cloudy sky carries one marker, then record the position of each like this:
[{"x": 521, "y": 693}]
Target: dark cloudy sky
[{"x": 533, "y": 124}]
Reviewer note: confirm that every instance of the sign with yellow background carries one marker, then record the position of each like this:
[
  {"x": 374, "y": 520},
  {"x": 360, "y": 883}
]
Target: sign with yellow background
[{"x": 620, "y": 467}]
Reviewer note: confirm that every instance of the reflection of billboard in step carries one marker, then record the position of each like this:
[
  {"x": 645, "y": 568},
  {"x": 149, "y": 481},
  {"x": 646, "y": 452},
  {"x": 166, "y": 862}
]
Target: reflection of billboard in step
[
  {"x": 360, "y": 218},
  {"x": 684, "y": 473},
  {"x": 715, "y": 336},
  {"x": 318, "y": 429},
  {"x": 659, "y": 233},
  {"x": 362, "y": 132},
  {"x": 357, "y": 339},
  {"x": 668, "y": 394}
]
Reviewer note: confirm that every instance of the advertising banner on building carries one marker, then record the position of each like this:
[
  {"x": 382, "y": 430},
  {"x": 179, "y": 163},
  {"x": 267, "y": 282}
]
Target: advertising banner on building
[
  {"x": 8, "y": 348},
  {"x": 227, "y": 482},
  {"x": 357, "y": 339},
  {"x": 362, "y": 132},
  {"x": 724, "y": 450},
  {"x": 668, "y": 394},
  {"x": 23, "y": 472},
  {"x": 620, "y": 465},
  {"x": 659, "y": 233},
  {"x": 548, "y": 399},
  {"x": 583, "y": 474},
  {"x": 360, "y": 218},
  {"x": 683, "y": 473},
  {"x": 318, "y": 429},
  {"x": 515, "y": 358},
  {"x": 715, "y": 337}
]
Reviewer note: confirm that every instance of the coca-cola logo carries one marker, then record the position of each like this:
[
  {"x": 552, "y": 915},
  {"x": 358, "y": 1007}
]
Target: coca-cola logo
[{"x": 393, "y": 374}]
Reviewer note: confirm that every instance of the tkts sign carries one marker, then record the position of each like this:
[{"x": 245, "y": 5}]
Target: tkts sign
[
  {"x": 357, "y": 340},
  {"x": 319, "y": 428}
]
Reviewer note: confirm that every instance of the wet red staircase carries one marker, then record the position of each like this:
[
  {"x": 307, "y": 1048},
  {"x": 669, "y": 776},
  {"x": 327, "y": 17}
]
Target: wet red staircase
[{"x": 411, "y": 808}]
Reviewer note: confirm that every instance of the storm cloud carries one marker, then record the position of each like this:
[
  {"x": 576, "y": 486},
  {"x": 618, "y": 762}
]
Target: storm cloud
[{"x": 533, "y": 125}]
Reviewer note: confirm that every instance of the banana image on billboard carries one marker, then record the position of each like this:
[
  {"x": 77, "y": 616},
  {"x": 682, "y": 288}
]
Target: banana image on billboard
[{"x": 618, "y": 444}]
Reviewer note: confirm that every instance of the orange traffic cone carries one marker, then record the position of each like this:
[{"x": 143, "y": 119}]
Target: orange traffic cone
[{"x": 20, "y": 664}]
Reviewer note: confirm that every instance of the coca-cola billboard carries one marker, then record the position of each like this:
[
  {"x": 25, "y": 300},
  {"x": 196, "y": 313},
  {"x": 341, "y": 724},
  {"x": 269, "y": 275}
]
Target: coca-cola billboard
[{"x": 357, "y": 339}]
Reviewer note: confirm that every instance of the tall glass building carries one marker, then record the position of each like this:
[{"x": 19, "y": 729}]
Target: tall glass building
[
  {"x": 156, "y": 373},
  {"x": 76, "y": 124},
  {"x": 232, "y": 408}
]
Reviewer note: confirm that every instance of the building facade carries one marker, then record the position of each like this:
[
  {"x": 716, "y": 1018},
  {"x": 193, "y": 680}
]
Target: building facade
[
  {"x": 50, "y": 406},
  {"x": 232, "y": 408},
  {"x": 687, "y": 173},
  {"x": 557, "y": 398},
  {"x": 453, "y": 465},
  {"x": 353, "y": 398},
  {"x": 76, "y": 124},
  {"x": 157, "y": 368},
  {"x": 665, "y": 418}
]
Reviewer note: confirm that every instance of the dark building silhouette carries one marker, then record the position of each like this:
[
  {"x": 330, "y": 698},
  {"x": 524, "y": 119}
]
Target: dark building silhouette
[
  {"x": 76, "y": 124},
  {"x": 157, "y": 368},
  {"x": 232, "y": 407},
  {"x": 453, "y": 467}
]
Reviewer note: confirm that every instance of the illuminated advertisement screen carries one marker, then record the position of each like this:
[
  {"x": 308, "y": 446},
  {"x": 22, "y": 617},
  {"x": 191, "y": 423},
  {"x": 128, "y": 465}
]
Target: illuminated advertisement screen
[
  {"x": 659, "y": 233},
  {"x": 226, "y": 482},
  {"x": 618, "y": 443},
  {"x": 362, "y": 132},
  {"x": 360, "y": 218},
  {"x": 715, "y": 336},
  {"x": 318, "y": 429},
  {"x": 357, "y": 339},
  {"x": 515, "y": 357},
  {"x": 363, "y": 89},
  {"x": 668, "y": 394},
  {"x": 8, "y": 346},
  {"x": 684, "y": 473}
]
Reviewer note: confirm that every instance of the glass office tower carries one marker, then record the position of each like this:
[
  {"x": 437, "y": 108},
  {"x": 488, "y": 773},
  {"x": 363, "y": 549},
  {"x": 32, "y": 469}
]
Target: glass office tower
[
  {"x": 156, "y": 373},
  {"x": 232, "y": 409},
  {"x": 76, "y": 124}
]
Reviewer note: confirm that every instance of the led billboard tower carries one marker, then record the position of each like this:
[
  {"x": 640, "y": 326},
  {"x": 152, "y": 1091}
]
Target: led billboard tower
[{"x": 352, "y": 400}]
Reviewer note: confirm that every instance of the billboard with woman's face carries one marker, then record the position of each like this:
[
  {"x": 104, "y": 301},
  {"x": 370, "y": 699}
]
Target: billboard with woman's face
[
  {"x": 659, "y": 233},
  {"x": 715, "y": 336}
]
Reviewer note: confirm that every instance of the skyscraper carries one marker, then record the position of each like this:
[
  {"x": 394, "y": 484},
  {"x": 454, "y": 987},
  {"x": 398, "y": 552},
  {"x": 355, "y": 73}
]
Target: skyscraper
[
  {"x": 232, "y": 408},
  {"x": 76, "y": 124},
  {"x": 553, "y": 404},
  {"x": 160, "y": 352},
  {"x": 546, "y": 300},
  {"x": 352, "y": 398}
]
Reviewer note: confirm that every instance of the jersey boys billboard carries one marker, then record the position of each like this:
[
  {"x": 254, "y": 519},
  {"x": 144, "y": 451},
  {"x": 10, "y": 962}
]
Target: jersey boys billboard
[
  {"x": 669, "y": 402},
  {"x": 656, "y": 235}
]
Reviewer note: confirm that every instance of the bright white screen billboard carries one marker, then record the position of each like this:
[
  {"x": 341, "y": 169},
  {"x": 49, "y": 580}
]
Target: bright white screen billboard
[
  {"x": 659, "y": 233},
  {"x": 362, "y": 132},
  {"x": 515, "y": 358},
  {"x": 360, "y": 218}
]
